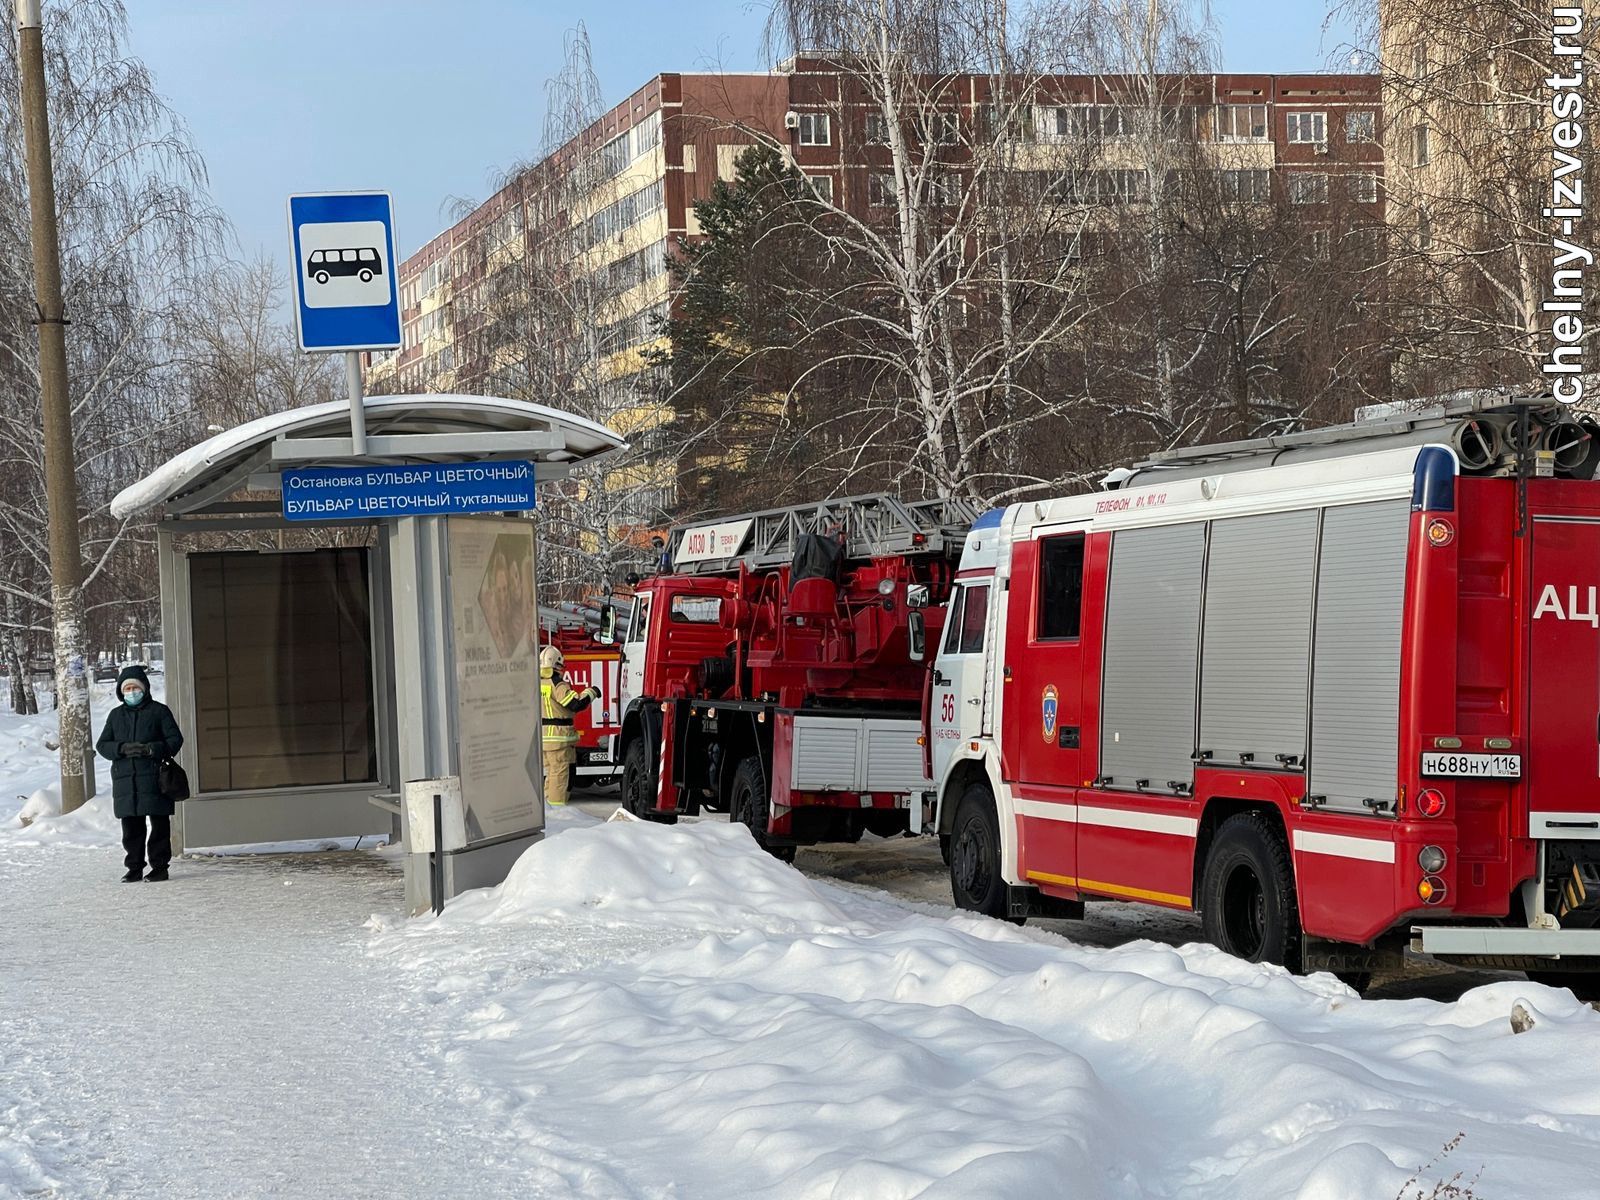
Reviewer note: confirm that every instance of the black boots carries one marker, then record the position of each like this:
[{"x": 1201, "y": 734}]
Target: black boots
[
  {"x": 133, "y": 876},
  {"x": 159, "y": 875}
]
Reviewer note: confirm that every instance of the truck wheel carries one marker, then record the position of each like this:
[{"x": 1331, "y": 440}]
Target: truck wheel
[
  {"x": 748, "y": 806},
  {"x": 1247, "y": 899},
  {"x": 639, "y": 786},
  {"x": 975, "y": 880}
]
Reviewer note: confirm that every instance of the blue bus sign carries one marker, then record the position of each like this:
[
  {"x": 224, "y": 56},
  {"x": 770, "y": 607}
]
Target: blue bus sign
[
  {"x": 346, "y": 285},
  {"x": 419, "y": 490}
]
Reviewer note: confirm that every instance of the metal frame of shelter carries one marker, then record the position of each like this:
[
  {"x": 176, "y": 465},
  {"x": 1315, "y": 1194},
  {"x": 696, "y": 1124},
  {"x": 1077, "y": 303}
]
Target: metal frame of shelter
[{"x": 414, "y": 668}]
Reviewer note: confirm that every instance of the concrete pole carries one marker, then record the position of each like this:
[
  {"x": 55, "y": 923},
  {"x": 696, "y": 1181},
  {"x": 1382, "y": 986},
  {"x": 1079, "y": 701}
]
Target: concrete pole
[{"x": 61, "y": 488}]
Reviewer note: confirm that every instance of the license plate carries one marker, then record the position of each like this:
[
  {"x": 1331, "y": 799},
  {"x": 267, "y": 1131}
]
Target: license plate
[
  {"x": 1471, "y": 766},
  {"x": 600, "y": 754}
]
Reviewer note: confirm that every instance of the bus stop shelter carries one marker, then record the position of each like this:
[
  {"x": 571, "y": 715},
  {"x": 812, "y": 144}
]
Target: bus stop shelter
[{"x": 325, "y": 671}]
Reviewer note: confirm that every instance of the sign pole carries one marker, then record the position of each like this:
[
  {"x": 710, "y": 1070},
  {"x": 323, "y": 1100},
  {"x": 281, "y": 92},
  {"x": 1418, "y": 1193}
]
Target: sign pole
[{"x": 358, "y": 412}]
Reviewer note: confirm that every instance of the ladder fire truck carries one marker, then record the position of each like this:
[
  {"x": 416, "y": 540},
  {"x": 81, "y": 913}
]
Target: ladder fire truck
[
  {"x": 775, "y": 672},
  {"x": 1338, "y": 691},
  {"x": 588, "y": 661}
]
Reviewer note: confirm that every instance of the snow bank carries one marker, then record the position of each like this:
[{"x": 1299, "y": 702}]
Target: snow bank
[
  {"x": 840, "y": 1046},
  {"x": 701, "y": 877}
]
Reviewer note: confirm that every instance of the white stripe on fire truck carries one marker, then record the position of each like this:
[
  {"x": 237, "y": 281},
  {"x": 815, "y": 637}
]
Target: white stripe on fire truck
[
  {"x": 1340, "y": 845},
  {"x": 1130, "y": 818},
  {"x": 1114, "y": 818},
  {"x": 1046, "y": 811}
]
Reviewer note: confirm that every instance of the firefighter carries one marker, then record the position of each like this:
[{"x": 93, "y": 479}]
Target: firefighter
[{"x": 558, "y": 704}]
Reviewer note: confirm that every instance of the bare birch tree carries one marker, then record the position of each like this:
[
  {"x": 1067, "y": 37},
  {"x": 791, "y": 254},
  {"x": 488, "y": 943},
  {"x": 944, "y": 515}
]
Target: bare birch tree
[{"x": 134, "y": 225}]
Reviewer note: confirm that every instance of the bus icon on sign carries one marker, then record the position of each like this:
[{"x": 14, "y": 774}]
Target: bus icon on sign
[
  {"x": 363, "y": 262},
  {"x": 345, "y": 264}
]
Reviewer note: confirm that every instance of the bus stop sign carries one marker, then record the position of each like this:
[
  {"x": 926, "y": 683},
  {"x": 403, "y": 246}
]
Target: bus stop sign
[{"x": 347, "y": 296}]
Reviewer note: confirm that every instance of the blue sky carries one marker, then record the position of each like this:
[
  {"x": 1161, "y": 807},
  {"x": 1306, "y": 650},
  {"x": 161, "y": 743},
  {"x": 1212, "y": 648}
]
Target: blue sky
[{"x": 428, "y": 100}]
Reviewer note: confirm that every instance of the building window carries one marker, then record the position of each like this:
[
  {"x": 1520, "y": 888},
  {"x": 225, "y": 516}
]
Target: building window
[
  {"x": 1424, "y": 230},
  {"x": 1361, "y": 126},
  {"x": 939, "y": 129},
  {"x": 1419, "y": 60},
  {"x": 944, "y": 189},
  {"x": 1249, "y": 187},
  {"x": 814, "y": 129},
  {"x": 1242, "y": 122},
  {"x": 646, "y": 134},
  {"x": 880, "y": 190},
  {"x": 1421, "y": 152},
  {"x": 822, "y": 186},
  {"x": 1319, "y": 243},
  {"x": 1308, "y": 187},
  {"x": 1364, "y": 188},
  {"x": 1308, "y": 127},
  {"x": 614, "y": 156},
  {"x": 1180, "y": 122},
  {"x": 877, "y": 129}
]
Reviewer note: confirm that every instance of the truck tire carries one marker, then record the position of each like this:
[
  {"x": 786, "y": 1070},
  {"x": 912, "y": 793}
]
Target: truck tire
[
  {"x": 1248, "y": 906},
  {"x": 748, "y": 806},
  {"x": 975, "y": 879},
  {"x": 639, "y": 786}
]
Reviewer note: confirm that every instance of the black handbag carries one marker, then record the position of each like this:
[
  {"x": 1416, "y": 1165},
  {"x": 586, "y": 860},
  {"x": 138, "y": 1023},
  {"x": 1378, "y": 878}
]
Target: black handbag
[{"x": 172, "y": 781}]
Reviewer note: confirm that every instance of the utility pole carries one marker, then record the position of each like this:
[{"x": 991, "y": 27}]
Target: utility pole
[{"x": 61, "y": 487}]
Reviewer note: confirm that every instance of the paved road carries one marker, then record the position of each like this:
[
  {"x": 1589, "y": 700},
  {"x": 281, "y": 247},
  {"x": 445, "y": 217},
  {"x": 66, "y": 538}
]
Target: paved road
[{"x": 912, "y": 869}]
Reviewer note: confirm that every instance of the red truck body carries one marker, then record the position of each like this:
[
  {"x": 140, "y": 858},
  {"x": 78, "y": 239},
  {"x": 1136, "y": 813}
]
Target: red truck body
[
  {"x": 1330, "y": 698},
  {"x": 773, "y": 674}
]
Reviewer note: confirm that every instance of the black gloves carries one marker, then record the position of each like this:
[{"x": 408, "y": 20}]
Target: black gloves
[{"x": 135, "y": 749}]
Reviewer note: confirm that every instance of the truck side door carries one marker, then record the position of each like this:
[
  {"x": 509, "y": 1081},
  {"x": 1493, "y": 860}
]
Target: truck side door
[
  {"x": 1043, "y": 680},
  {"x": 957, "y": 696}
]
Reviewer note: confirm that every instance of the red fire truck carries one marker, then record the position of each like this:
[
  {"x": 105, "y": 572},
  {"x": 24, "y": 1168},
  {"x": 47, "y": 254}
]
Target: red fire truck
[
  {"x": 1335, "y": 690},
  {"x": 775, "y": 672},
  {"x": 589, "y": 662}
]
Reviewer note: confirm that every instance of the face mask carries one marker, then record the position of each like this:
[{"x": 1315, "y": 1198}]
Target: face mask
[{"x": 133, "y": 699}]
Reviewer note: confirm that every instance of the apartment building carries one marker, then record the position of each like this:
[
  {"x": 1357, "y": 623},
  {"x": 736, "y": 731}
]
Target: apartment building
[{"x": 602, "y": 216}]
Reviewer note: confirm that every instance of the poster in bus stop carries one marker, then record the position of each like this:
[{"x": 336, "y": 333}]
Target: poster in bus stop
[{"x": 497, "y": 676}]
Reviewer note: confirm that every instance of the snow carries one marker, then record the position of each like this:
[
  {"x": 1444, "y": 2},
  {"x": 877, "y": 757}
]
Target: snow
[{"x": 644, "y": 1011}]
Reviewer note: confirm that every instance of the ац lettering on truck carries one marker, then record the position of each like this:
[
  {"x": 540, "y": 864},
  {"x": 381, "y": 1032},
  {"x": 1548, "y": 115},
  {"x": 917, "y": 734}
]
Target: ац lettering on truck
[{"x": 1336, "y": 692}]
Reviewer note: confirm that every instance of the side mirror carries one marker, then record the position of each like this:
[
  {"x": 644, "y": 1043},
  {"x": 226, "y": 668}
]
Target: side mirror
[
  {"x": 917, "y": 631},
  {"x": 608, "y": 625},
  {"x": 917, "y": 596}
]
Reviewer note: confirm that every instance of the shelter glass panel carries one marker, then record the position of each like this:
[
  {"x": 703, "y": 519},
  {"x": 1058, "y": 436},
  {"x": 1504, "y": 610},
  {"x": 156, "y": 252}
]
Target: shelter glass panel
[{"x": 283, "y": 669}]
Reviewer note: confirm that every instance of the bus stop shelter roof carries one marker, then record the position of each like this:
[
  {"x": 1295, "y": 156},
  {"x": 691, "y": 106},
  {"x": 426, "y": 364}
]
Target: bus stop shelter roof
[{"x": 400, "y": 429}]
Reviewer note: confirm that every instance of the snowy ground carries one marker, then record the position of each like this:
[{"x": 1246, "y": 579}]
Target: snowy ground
[{"x": 651, "y": 1012}]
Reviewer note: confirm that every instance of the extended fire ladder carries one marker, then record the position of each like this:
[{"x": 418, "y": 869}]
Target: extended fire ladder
[{"x": 873, "y": 526}]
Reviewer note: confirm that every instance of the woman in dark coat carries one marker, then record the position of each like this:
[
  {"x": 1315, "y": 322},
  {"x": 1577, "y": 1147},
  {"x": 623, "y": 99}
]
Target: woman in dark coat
[{"x": 139, "y": 734}]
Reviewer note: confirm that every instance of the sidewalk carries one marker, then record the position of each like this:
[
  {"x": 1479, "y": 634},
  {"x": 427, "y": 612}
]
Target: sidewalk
[{"x": 223, "y": 1034}]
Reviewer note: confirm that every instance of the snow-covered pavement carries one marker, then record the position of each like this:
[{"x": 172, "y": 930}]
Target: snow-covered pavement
[{"x": 651, "y": 1012}]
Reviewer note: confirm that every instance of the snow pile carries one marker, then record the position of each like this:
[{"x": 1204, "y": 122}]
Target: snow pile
[
  {"x": 700, "y": 877},
  {"x": 840, "y": 1046}
]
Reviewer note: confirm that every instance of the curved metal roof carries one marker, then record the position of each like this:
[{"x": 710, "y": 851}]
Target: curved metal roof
[{"x": 222, "y": 464}]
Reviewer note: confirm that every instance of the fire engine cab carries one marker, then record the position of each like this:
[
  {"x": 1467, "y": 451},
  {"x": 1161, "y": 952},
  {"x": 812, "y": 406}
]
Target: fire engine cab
[
  {"x": 1334, "y": 690},
  {"x": 776, "y": 671}
]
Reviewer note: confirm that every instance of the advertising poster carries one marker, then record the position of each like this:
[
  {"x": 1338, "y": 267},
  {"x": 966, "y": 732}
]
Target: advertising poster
[{"x": 497, "y": 675}]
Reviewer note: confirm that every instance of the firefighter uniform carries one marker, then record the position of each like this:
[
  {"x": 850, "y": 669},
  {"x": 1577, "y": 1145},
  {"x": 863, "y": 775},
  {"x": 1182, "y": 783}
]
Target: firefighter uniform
[{"x": 559, "y": 702}]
